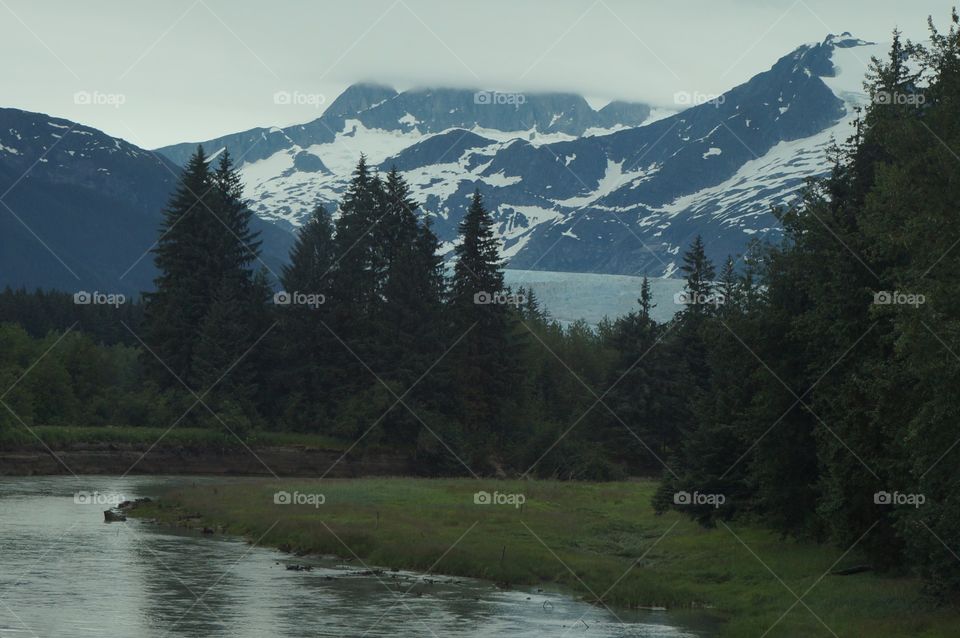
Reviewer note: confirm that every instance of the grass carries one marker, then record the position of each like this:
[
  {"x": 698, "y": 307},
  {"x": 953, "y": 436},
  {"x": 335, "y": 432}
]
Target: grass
[
  {"x": 58, "y": 436},
  {"x": 599, "y": 540}
]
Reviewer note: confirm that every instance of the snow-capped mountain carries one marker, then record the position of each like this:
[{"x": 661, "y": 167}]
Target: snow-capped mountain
[
  {"x": 622, "y": 189},
  {"x": 80, "y": 210},
  {"x": 618, "y": 190},
  {"x": 287, "y": 171}
]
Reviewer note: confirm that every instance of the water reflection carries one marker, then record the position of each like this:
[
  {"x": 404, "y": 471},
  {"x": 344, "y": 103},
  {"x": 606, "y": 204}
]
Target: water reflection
[{"x": 64, "y": 573}]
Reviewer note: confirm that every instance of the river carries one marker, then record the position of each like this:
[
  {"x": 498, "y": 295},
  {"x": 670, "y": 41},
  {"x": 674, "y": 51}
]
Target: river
[{"x": 65, "y": 573}]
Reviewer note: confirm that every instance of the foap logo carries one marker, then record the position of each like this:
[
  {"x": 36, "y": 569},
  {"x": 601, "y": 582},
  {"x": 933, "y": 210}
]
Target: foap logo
[
  {"x": 96, "y": 498},
  {"x": 498, "y": 98},
  {"x": 898, "y": 298},
  {"x": 298, "y": 498},
  {"x": 899, "y": 498},
  {"x": 488, "y": 298},
  {"x": 498, "y": 498},
  {"x": 96, "y": 298},
  {"x": 299, "y": 98},
  {"x": 695, "y": 98},
  {"x": 97, "y": 98},
  {"x": 898, "y": 98},
  {"x": 297, "y": 298},
  {"x": 697, "y": 498},
  {"x": 685, "y": 298}
]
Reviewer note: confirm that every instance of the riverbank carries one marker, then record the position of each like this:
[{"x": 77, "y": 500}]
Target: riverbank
[
  {"x": 50, "y": 450},
  {"x": 600, "y": 540}
]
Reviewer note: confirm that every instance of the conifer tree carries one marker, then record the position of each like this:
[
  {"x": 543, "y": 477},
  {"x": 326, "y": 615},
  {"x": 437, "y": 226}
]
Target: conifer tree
[
  {"x": 304, "y": 372},
  {"x": 241, "y": 245},
  {"x": 646, "y": 299},
  {"x": 648, "y": 394},
  {"x": 356, "y": 283},
  {"x": 176, "y": 309},
  {"x": 482, "y": 362},
  {"x": 728, "y": 288},
  {"x": 699, "y": 273},
  {"x": 409, "y": 322},
  {"x": 204, "y": 256},
  {"x": 312, "y": 255}
]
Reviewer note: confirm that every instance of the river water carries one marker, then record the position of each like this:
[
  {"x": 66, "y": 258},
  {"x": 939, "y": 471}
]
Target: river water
[{"x": 64, "y": 573}]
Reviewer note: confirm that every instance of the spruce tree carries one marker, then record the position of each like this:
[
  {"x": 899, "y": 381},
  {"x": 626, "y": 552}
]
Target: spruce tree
[
  {"x": 204, "y": 255},
  {"x": 728, "y": 287},
  {"x": 304, "y": 371},
  {"x": 356, "y": 280},
  {"x": 176, "y": 309},
  {"x": 646, "y": 299},
  {"x": 482, "y": 363},
  {"x": 409, "y": 322},
  {"x": 699, "y": 273},
  {"x": 356, "y": 284},
  {"x": 478, "y": 270},
  {"x": 240, "y": 245}
]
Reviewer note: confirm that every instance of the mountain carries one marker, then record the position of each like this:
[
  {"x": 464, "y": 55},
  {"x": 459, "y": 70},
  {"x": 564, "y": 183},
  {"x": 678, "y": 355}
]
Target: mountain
[
  {"x": 617, "y": 190},
  {"x": 287, "y": 171},
  {"x": 614, "y": 190},
  {"x": 80, "y": 210}
]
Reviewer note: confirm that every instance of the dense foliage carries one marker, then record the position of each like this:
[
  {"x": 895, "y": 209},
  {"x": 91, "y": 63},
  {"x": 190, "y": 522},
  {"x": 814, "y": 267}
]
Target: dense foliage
[{"x": 829, "y": 407}]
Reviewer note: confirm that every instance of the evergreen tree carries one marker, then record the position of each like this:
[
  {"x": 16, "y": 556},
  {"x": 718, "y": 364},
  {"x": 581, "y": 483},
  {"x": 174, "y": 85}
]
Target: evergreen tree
[
  {"x": 477, "y": 273},
  {"x": 218, "y": 366},
  {"x": 204, "y": 256},
  {"x": 240, "y": 247},
  {"x": 303, "y": 372},
  {"x": 700, "y": 274},
  {"x": 646, "y": 299},
  {"x": 356, "y": 280},
  {"x": 648, "y": 393},
  {"x": 312, "y": 255},
  {"x": 355, "y": 299},
  {"x": 728, "y": 287},
  {"x": 410, "y": 321},
  {"x": 482, "y": 363},
  {"x": 176, "y": 309}
]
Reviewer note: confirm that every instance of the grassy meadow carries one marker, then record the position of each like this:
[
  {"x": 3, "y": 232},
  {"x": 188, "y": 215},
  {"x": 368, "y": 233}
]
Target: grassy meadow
[{"x": 598, "y": 540}]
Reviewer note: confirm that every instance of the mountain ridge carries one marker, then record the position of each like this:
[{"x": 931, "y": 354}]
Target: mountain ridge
[
  {"x": 620, "y": 200},
  {"x": 624, "y": 199},
  {"x": 82, "y": 209}
]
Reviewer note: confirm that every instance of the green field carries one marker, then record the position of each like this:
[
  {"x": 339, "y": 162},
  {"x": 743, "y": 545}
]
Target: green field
[{"x": 598, "y": 540}]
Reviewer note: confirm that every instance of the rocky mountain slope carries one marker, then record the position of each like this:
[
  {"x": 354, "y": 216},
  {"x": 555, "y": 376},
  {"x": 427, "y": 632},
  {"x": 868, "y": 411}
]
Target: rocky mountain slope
[{"x": 615, "y": 190}]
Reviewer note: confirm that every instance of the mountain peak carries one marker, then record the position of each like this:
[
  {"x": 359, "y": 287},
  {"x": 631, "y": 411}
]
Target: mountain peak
[{"x": 360, "y": 97}]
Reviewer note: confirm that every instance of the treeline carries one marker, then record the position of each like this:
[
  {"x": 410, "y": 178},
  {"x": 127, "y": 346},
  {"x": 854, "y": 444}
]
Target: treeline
[
  {"x": 67, "y": 378},
  {"x": 40, "y": 312},
  {"x": 369, "y": 339},
  {"x": 827, "y": 403}
]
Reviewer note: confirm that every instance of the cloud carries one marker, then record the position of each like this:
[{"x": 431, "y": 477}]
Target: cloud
[{"x": 191, "y": 71}]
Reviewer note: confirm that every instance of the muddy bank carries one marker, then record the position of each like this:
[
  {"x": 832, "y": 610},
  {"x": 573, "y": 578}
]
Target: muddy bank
[{"x": 111, "y": 458}]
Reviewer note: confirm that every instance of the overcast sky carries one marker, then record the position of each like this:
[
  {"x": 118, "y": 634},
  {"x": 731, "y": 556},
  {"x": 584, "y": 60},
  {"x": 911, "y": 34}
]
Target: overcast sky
[{"x": 156, "y": 73}]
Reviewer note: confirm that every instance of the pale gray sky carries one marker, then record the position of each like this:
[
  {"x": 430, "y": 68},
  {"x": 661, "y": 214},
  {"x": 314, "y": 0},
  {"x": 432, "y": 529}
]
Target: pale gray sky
[{"x": 156, "y": 73}]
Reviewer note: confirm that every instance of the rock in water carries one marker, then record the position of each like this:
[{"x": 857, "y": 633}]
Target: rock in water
[{"x": 110, "y": 516}]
